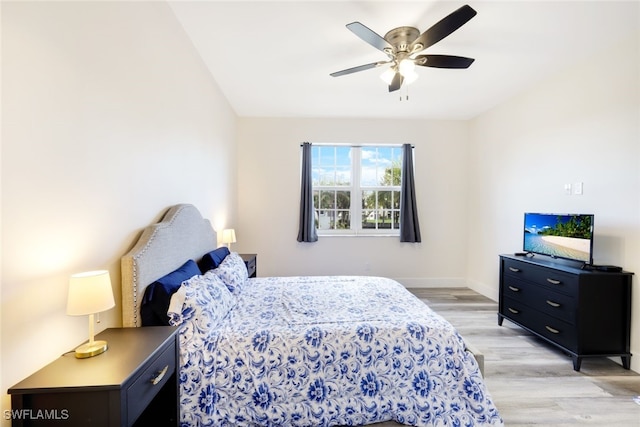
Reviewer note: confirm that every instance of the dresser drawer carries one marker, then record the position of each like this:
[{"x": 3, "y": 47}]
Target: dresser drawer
[
  {"x": 150, "y": 381},
  {"x": 554, "y": 279},
  {"x": 541, "y": 298},
  {"x": 554, "y": 329}
]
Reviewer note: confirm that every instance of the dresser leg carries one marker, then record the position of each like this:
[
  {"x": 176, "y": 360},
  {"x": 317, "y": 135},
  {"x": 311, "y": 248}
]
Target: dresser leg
[
  {"x": 500, "y": 319},
  {"x": 577, "y": 361},
  {"x": 626, "y": 362}
]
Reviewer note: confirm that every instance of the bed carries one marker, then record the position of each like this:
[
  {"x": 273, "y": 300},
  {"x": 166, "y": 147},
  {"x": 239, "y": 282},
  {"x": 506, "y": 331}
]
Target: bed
[{"x": 296, "y": 351}]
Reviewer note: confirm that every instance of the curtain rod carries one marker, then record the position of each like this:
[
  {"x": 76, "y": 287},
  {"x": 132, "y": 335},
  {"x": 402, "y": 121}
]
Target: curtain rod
[{"x": 358, "y": 145}]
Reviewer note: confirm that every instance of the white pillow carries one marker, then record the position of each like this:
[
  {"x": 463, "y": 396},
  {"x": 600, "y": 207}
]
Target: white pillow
[
  {"x": 233, "y": 271},
  {"x": 202, "y": 300}
]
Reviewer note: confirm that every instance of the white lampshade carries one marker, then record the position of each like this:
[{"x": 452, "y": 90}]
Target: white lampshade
[
  {"x": 410, "y": 77},
  {"x": 229, "y": 236},
  {"x": 406, "y": 66},
  {"x": 388, "y": 76},
  {"x": 89, "y": 293}
]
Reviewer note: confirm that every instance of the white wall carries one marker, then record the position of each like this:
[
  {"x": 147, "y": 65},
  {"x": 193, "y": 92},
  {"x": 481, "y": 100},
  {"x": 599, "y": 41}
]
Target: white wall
[
  {"x": 269, "y": 182},
  {"x": 108, "y": 117},
  {"x": 582, "y": 125}
]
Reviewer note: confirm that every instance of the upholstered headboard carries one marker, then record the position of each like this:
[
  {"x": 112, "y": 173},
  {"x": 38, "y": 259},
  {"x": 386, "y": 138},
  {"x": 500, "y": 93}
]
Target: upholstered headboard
[{"x": 181, "y": 234}]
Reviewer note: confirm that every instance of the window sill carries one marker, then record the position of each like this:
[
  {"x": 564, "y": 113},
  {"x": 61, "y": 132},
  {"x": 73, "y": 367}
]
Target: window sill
[{"x": 357, "y": 235}]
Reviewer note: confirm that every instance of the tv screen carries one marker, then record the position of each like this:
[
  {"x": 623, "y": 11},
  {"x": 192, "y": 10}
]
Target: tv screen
[{"x": 567, "y": 236}]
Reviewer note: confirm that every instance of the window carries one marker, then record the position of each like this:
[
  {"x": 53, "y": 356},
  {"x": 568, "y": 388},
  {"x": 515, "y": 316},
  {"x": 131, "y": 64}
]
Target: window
[{"x": 356, "y": 190}]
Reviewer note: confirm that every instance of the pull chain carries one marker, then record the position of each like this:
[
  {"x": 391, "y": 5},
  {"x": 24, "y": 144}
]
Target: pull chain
[{"x": 406, "y": 93}]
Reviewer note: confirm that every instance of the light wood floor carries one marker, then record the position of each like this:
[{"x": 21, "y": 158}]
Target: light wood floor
[{"x": 533, "y": 383}]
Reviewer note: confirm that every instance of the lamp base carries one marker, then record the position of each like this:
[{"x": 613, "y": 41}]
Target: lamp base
[{"x": 91, "y": 349}]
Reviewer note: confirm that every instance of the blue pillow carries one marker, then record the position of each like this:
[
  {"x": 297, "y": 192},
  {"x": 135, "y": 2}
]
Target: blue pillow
[
  {"x": 213, "y": 259},
  {"x": 157, "y": 296}
]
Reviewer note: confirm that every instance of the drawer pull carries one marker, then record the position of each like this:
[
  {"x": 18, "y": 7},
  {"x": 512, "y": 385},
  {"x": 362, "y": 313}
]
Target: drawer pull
[
  {"x": 155, "y": 380},
  {"x": 514, "y": 289},
  {"x": 553, "y": 304},
  {"x": 515, "y": 270},
  {"x": 554, "y": 282},
  {"x": 513, "y": 310},
  {"x": 552, "y": 330}
]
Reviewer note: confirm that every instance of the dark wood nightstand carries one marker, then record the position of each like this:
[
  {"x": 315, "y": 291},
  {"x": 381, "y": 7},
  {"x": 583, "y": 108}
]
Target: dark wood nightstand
[
  {"x": 250, "y": 262},
  {"x": 135, "y": 382}
]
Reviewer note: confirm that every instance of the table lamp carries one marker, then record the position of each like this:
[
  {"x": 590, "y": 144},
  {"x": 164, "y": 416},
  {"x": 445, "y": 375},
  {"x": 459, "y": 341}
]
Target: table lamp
[
  {"x": 90, "y": 293},
  {"x": 229, "y": 237}
]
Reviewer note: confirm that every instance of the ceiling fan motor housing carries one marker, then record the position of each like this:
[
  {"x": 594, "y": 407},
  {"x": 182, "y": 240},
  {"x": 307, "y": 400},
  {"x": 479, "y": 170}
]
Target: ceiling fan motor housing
[{"x": 401, "y": 38}]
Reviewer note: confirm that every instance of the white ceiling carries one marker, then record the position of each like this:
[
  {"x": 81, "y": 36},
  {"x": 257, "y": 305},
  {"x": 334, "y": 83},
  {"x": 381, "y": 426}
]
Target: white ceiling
[{"x": 273, "y": 59}]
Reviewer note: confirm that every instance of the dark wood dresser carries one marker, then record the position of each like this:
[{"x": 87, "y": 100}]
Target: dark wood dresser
[
  {"x": 135, "y": 382},
  {"x": 586, "y": 313}
]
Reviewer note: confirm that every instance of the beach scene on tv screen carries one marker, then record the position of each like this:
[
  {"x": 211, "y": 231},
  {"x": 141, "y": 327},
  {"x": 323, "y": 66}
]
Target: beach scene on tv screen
[{"x": 564, "y": 236}]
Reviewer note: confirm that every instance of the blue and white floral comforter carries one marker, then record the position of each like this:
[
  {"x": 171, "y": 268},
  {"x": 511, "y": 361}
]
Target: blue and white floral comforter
[{"x": 322, "y": 351}]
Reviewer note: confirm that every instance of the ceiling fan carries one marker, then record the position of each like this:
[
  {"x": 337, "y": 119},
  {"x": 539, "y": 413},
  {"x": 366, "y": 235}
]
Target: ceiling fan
[{"x": 403, "y": 43}]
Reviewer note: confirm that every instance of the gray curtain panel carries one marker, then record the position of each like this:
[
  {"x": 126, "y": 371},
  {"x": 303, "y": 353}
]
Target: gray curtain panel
[
  {"x": 307, "y": 228},
  {"x": 409, "y": 226}
]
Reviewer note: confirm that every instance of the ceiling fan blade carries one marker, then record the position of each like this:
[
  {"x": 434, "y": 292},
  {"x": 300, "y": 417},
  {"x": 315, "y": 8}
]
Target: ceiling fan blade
[
  {"x": 443, "y": 61},
  {"x": 396, "y": 82},
  {"x": 443, "y": 28},
  {"x": 369, "y": 36},
  {"x": 358, "y": 68}
]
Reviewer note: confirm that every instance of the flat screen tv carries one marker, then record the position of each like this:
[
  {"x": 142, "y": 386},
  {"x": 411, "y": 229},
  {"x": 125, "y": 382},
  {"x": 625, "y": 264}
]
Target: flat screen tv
[{"x": 566, "y": 236}]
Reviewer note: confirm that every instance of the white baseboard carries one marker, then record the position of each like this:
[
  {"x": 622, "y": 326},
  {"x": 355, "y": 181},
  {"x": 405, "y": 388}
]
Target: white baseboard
[{"x": 483, "y": 289}]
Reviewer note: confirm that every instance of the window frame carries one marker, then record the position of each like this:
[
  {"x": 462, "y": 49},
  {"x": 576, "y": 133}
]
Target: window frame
[{"x": 356, "y": 189}]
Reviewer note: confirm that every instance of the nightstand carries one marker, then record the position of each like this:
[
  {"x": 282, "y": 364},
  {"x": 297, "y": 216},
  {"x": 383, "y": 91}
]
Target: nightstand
[
  {"x": 135, "y": 382},
  {"x": 250, "y": 262}
]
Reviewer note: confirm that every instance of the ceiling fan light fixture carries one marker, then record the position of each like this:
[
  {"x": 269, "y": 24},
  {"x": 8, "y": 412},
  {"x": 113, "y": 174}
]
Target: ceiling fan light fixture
[
  {"x": 388, "y": 75},
  {"x": 410, "y": 77},
  {"x": 406, "y": 67}
]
